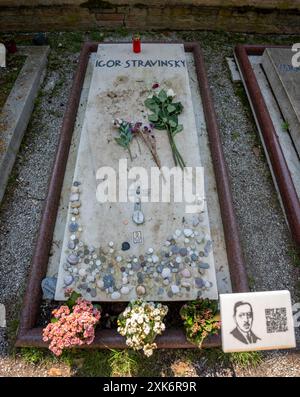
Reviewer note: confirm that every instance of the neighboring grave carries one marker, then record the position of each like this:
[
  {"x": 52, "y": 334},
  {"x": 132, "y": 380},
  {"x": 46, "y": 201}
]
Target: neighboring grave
[
  {"x": 257, "y": 321},
  {"x": 2, "y": 56},
  {"x": 284, "y": 79},
  {"x": 170, "y": 256}
]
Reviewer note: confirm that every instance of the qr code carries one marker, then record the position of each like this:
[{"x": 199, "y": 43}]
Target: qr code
[{"x": 276, "y": 320}]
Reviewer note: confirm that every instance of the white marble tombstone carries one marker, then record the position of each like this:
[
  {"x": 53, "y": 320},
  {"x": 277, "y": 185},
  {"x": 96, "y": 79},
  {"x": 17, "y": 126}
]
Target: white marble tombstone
[
  {"x": 2, "y": 56},
  {"x": 257, "y": 321},
  {"x": 120, "y": 84}
]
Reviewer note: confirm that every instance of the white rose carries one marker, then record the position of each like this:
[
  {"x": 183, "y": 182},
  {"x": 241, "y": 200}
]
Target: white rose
[{"x": 170, "y": 93}]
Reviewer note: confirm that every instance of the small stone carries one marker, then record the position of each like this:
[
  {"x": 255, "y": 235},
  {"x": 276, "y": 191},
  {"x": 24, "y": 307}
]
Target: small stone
[
  {"x": 177, "y": 233},
  {"x": 71, "y": 245},
  {"x": 136, "y": 267},
  {"x": 129, "y": 265},
  {"x": 119, "y": 259},
  {"x": 124, "y": 280},
  {"x": 124, "y": 290},
  {"x": 194, "y": 257},
  {"x": 131, "y": 272},
  {"x": 188, "y": 232},
  {"x": 166, "y": 272},
  {"x": 207, "y": 284},
  {"x": 90, "y": 279},
  {"x": 178, "y": 259},
  {"x": 160, "y": 291},
  {"x": 199, "y": 282},
  {"x": 186, "y": 273},
  {"x": 111, "y": 244},
  {"x": 75, "y": 204},
  {"x": 167, "y": 243},
  {"x": 82, "y": 272},
  {"x": 93, "y": 293},
  {"x": 166, "y": 281},
  {"x": 203, "y": 265},
  {"x": 73, "y": 259},
  {"x": 174, "y": 249},
  {"x": 170, "y": 294},
  {"x": 183, "y": 251},
  {"x": 135, "y": 260},
  {"x": 150, "y": 251},
  {"x": 98, "y": 262},
  {"x": 175, "y": 289},
  {"x": 74, "y": 189},
  {"x": 74, "y": 197},
  {"x": 115, "y": 295},
  {"x": 111, "y": 251},
  {"x": 140, "y": 290},
  {"x": 73, "y": 227},
  {"x": 75, "y": 211},
  {"x": 186, "y": 240},
  {"x": 76, "y": 183},
  {"x": 49, "y": 287},
  {"x": 159, "y": 268},
  {"x": 155, "y": 258},
  {"x": 100, "y": 284},
  {"x": 68, "y": 280},
  {"x": 185, "y": 284},
  {"x": 125, "y": 246}
]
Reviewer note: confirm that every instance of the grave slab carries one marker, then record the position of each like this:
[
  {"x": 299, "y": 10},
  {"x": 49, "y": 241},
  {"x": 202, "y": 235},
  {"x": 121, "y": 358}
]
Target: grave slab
[
  {"x": 284, "y": 79},
  {"x": 16, "y": 112},
  {"x": 2, "y": 56},
  {"x": 257, "y": 321},
  {"x": 151, "y": 268}
]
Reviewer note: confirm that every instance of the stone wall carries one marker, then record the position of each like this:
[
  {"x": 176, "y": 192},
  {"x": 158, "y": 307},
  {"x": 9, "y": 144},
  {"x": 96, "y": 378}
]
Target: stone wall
[{"x": 263, "y": 16}]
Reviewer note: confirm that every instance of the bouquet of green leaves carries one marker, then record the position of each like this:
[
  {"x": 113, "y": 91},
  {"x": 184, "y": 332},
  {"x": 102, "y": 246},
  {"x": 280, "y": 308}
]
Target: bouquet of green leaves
[{"x": 164, "y": 116}]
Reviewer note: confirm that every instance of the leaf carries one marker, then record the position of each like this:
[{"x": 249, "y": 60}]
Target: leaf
[
  {"x": 153, "y": 117},
  {"x": 179, "y": 128},
  {"x": 172, "y": 123},
  {"x": 54, "y": 320},
  {"x": 152, "y": 105},
  {"x": 171, "y": 108},
  {"x": 72, "y": 300},
  {"x": 162, "y": 96}
]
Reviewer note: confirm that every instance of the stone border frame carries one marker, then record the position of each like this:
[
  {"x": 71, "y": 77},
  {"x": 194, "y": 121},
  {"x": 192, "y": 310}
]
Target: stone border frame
[
  {"x": 288, "y": 194},
  {"x": 28, "y": 333}
]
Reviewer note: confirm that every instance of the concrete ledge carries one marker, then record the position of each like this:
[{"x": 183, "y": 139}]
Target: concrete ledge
[{"x": 17, "y": 110}]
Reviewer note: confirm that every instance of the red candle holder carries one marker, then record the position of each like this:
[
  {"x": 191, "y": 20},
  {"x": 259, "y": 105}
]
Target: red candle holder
[{"x": 136, "y": 44}]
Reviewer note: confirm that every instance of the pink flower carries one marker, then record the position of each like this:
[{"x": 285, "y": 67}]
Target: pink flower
[{"x": 73, "y": 328}]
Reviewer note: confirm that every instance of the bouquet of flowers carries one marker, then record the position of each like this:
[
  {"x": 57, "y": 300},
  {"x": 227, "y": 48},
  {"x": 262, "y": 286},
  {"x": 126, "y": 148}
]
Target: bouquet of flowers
[
  {"x": 72, "y": 324},
  {"x": 164, "y": 116},
  {"x": 140, "y": 323},
  {"x": 201, "y": 319}
]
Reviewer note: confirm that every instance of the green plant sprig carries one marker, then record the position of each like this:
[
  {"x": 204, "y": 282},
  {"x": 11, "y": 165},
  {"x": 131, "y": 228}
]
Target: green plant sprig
[
  {"x": 164, "y": 116},
  {"x": 125, "y": 137}
]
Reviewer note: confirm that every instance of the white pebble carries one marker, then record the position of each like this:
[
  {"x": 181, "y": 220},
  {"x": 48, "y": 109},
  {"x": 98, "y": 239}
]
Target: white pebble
[
  {"x": 111, "y": 244},
  {"x": 82, "y": 272},
  {"x": 124, "y": 290},
  {"x": 129, "y": 265},
  {"x": 175, "y": 289},
  {"x": 178, "y": 259},
  {"x": 166, "y": 272},
  {"x": 187, "y": 232},
  {"x": 167, "y": 243},
  {"x": 98, "y": 262},
  {"x": 155, "y": 258},
  {"x": 115, "y": 295},
  {"x": 150, "y": 251},
  {"x": 118, "y": 258},
  {"x": 100, "y": 283}
]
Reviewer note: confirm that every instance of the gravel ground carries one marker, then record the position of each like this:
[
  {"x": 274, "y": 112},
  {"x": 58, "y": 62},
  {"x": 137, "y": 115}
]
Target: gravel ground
[{"x": 265, "y": 237}]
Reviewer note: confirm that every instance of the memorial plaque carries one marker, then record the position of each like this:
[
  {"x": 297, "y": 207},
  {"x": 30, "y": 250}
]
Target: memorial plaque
[
  {"x": 284, "y": 79},
  {"x": 257, "y": 321},
  {"x": 118, "y": 250}
]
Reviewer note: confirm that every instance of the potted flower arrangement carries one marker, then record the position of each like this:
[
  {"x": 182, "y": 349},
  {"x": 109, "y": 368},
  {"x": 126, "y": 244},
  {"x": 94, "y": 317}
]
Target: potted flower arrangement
[
  {"x": 201, "y": 319},
  {"x": 72, "y": 324},
  {"x": 140, "y": 323}
]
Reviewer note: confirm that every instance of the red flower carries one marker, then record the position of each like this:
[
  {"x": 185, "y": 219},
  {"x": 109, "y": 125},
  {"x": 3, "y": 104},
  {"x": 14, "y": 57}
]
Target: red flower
[{"x": 155, "y": 85}]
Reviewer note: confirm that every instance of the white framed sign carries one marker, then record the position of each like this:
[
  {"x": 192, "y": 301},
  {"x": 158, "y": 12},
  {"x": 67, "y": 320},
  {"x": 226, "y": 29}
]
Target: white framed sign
[{"x": 257, "y": 321}]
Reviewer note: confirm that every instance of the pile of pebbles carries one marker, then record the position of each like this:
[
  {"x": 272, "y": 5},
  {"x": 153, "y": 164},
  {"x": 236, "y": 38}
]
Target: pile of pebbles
[{"x": 178, "y": 268}]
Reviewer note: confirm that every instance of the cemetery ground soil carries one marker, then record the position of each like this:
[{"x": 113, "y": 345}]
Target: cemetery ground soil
[{"x": 271, "y": 258}]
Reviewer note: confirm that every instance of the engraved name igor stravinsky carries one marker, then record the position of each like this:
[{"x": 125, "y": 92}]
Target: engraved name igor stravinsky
[{"x": 243, "y": 317}]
